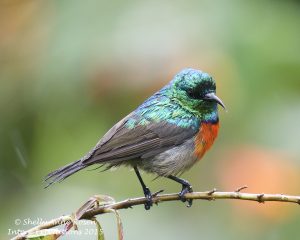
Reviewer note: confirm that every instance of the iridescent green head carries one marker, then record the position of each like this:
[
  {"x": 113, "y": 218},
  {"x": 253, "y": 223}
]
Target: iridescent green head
[{"x": 195, "y": 91}]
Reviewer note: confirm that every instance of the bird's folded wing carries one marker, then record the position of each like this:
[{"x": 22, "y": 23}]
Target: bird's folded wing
[{"x": 122, "y": 143}]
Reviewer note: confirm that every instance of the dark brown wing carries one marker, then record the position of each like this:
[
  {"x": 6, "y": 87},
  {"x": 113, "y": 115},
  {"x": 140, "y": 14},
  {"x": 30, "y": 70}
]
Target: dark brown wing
[{"x": 122, "y": 143}]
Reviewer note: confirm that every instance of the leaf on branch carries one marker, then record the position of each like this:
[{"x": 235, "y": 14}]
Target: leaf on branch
[
  {"x": 89, "y": 204},
  {"x": 92, "y": 203},
  {"x": 119, "y": 222},
  {"x": 99, "y": 230},
  {"x": 46, "y": 234},
  {"x": 104, "y": 199}
]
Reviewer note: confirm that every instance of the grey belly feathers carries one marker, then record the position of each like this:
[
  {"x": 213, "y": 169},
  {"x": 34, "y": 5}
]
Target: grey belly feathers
[{"x": 172, "y": 161}]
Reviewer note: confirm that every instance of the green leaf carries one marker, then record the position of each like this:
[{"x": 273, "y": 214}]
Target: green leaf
[
  {"x": 47, "y": 234},
  {"x": 99, "y": 230}
]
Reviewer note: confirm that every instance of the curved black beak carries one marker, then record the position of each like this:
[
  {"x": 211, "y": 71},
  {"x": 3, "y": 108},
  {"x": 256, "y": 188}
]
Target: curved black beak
[{"x": 213, "y": 97}]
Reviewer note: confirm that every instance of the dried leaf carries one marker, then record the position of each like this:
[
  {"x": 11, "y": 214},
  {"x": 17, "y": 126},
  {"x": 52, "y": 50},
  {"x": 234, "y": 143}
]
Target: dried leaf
[
  {"x": 93, "y": 202},
  {"x": 89, "y": 204},
  {"x": 119, "y": 223},
  {"x": 104, "y": 199}
]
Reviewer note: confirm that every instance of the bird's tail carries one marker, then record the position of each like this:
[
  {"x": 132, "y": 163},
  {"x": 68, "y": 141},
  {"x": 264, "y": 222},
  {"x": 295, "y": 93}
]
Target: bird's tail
[{"x": 64, "y": 172}]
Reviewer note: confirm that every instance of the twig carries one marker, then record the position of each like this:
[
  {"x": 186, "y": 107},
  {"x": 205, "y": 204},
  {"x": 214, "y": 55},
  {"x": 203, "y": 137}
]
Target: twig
[
  {"x": 208, "y": 195},
  {"x": 241, "y": 188}
]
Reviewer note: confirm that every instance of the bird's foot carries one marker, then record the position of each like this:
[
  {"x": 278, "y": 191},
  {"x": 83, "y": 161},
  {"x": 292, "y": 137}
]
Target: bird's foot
[
  {"x": 149, "y": 196},
  {"x": 186, "y": 188}
]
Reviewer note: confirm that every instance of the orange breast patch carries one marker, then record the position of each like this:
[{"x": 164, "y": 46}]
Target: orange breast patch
[{"x": 205, "y": 138}]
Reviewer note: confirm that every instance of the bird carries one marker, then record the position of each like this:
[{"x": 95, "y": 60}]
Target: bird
[{"x": 166, "y": 135}]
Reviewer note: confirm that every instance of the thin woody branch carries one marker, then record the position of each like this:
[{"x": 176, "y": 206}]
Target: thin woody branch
[{"x": 208, "y": 195}]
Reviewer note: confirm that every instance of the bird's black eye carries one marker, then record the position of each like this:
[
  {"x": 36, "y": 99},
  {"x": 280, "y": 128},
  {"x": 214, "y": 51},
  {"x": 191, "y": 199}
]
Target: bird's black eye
[
  {"x": 194, "y": 93},
  {"x": 199, "y": 91}
]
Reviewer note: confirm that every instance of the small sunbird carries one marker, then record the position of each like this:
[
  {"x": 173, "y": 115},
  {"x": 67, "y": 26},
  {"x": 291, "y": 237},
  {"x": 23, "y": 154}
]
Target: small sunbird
[{"x": 166, "y": 135}]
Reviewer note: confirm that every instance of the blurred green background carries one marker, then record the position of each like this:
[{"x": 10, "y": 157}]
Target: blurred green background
[{"x": 70, "y": 69}]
